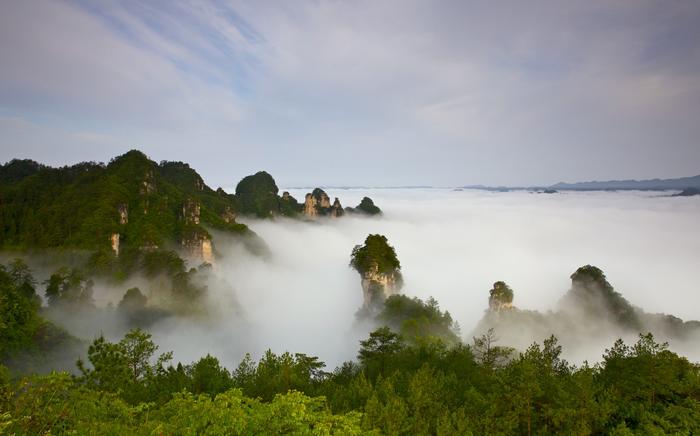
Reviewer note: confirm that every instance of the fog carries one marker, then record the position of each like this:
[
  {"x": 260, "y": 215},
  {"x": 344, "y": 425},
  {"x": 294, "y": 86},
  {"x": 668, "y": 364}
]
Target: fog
[{"x": 453, "y": 245}]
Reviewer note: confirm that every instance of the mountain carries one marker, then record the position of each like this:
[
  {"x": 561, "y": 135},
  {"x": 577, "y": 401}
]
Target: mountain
[
  {"x": 130, "y": 203},
  {"x": 644, "y": 185},
  {"x": 590, "y": 312}
]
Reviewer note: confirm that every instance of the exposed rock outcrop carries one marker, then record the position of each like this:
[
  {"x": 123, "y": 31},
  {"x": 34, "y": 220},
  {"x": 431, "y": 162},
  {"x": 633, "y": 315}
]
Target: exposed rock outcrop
[
  {"x": 148, "y": 185},
  {"x": 228, "y": 215},
  {"x": 114, "y": 240},
  {"x": 377, "y": 286},
  {"x": 190, "y": 211},
  {"x": 318, "y": 203},
  {"x": 123, "y": 213},
  {"x": 336, "y": 210},
  {"x": 196, "y": 242},
  {"x": 323, "y": 201},
  {"x": 310, "y": 206},
  {"x": 380, "y": 271},
  {"x": 197, "y": 245}
]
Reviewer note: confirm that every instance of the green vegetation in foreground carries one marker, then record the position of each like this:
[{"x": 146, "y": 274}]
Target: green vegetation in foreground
[
  {"x": 395, "y": 387},
  {"x": 412, "y": 376}
]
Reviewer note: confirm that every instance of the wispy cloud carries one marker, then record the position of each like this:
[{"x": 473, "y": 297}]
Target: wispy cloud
[{"x": 540, "y": 89}]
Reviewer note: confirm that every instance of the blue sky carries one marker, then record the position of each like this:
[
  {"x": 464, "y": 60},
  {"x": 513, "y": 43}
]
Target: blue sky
[{"x": 405, "y": 92}]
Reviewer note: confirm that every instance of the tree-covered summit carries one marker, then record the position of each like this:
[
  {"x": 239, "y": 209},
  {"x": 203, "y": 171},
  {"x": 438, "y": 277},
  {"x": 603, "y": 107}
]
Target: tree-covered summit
[
  {"x": 592, "y": 293},
  {"x": 82, "y": 205},
  {"x": 366, "y": 207},
  {"x": 375, "y": 254},
  {"x": 257, "y": 195}
]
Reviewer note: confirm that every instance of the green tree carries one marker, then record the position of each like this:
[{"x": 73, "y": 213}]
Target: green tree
[
  {"x": 124, "y": 367},
  {"x": 377, "y": 351},
  {"x": 375, "y": 253}
]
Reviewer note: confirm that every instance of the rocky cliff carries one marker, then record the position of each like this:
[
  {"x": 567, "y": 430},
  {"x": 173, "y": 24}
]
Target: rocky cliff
[
  {"x": 380, "y": 271},
  {"x": 378, "y": 286}
]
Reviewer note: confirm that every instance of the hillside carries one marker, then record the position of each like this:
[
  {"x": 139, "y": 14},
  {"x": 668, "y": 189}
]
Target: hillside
[{"x": 130, "y": 203}]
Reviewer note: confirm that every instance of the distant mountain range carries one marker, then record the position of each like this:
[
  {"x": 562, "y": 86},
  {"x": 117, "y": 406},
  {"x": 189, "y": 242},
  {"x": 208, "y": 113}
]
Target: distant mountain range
[
  {"x": 644, "y": 185},
  {"x": 691, "y": 184},
  {"x": 686, "y": 184}
]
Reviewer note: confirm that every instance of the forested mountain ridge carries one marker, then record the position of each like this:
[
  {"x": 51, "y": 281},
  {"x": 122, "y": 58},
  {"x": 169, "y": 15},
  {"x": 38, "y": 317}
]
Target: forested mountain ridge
[{"x": 130, "y": 202}]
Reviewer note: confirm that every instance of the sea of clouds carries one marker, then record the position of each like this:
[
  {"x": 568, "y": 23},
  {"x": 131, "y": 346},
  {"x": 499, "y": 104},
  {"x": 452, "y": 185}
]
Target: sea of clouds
[{"x": 452, "y": 245}]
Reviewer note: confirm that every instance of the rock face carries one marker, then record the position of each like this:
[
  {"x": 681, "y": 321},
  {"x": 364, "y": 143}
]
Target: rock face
[
  {"x": 197, "y": 245},
  {"x": 228, "y": 215},
  {"x": 377, "y": 287},
  {"x": 310, "y": 206},
  {"x": 148, "y": 185},
  {"x": 336, "y": 210},
  {"x": 191, "y": 211},
  {"x": 379, "y": 269},
  {"x": 318, "y": 203},
  {"x": 196, "y": 242},
  {"x": 123, "y": 213},
  {"x": 207, "y": 253},
  {"x": 322, "y": 199},
  {"x": 114, "y": 240}
]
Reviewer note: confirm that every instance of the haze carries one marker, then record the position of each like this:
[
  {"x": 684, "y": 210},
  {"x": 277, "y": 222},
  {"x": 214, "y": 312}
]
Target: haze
[{"x": 452, "y": 245}]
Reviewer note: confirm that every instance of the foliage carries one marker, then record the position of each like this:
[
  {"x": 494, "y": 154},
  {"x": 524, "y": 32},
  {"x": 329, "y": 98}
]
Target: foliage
[
  {"x": 19, "y": 304},
  {"x": 257, "y": 195},
  {"x": 133, "y": 300},
  {"x": 591, "y": 292},
  {"x": 367, "y": 206},
  {"x": 501, "y": 294},
  {"x": 289, "y": 206},
  {"x": 375, "y": 253},
  {"x": 68, "y": 286},
  {"x": 417, "y": 320},
  {"x": 395, "y": 388},
  {"x": 415, "y": 379},
  {"x": 82, "y": 206}
]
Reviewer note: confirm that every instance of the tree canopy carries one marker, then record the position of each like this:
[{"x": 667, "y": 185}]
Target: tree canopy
[{"x": 375, "y": 253}]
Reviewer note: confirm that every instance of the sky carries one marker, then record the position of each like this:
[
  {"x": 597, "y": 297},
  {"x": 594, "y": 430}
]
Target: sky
[{"x": 369, "y": 93}]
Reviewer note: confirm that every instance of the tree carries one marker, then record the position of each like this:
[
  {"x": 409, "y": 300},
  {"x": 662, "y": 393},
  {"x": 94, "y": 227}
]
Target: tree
[
  {"x": 257, "y": 195},
  {"x": 133, "y": 300},
  {"x": 377, "y": 350},
  {"x": 209, "y": 377},
  {"x": 489, "y": 354},
  {"x": 124, "y": 367},
  {"x": 417, "y": 320},
  {"x": 68, "y": 286},
  {"x": 500, "y": 296},
  {"x": 375, "y": 253}
]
